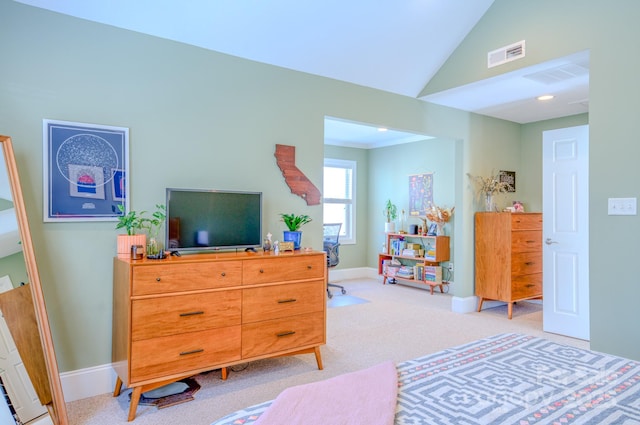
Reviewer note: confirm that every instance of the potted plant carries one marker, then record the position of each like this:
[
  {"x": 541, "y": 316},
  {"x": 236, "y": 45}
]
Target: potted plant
[
  {"x": 154, "y": 246},
  {"x": 391, "y": 213},
  {"x": 294, "y": 223},
  {"x": 133, "y": 222}
]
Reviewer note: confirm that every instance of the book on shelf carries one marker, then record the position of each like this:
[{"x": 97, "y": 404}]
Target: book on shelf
[
  {"x": 405, "y": 272},
  {"x": 432, "y": 274},
  {"x": 410, "y": 252}
]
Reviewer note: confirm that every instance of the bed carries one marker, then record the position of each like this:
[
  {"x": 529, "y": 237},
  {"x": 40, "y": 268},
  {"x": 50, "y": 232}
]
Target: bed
[{"x": 508, "y": 379}]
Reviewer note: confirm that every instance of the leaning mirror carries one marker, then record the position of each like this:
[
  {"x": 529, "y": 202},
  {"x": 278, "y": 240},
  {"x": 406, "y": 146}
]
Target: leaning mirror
[{"x": 23, "y": 308}]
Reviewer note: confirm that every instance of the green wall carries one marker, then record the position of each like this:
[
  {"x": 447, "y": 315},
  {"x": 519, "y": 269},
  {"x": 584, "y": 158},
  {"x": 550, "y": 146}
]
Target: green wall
[
  {"x": 552, "y": 29},
  {"x": 203, "y": 119},
  {"x": 196, "y": 118}
]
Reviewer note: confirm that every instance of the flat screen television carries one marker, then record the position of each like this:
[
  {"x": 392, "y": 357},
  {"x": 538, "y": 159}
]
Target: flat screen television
[{"x": 211, "y": 220}]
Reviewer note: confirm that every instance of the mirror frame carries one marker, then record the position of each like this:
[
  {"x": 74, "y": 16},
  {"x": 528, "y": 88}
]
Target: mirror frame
[{"x": 57, "y": 407}]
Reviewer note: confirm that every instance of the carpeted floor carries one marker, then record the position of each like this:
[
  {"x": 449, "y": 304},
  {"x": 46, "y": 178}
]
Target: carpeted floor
[
  {"x": 396, "y": 323},
  {"x": 339, "y": 300}
]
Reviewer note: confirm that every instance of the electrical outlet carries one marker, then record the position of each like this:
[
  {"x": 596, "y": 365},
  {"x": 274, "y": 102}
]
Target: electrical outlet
[{"x": 450, "y": 266}]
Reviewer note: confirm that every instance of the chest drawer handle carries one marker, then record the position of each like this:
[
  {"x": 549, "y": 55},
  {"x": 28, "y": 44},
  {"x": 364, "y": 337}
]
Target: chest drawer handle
[
  {"x": 196, "y": 351},
  {"x": 290, "y": 300},
  {"x": 261, "y": 270},
  {"x": 223, "y": 274},
  {"x": 529, "y": 263},
  {"x": 286, "y": 333},
  {"x": 158, "y": 279},
  {"x": 309, "y": 267},
  {"x": 191, "y": 313},
  {"x": 530, "y": 285}
]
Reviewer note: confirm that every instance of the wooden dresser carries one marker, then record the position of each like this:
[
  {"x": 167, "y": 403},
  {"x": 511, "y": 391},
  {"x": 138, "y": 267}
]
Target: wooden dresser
[
  {"x": 508, "y": 257},
  {"x": 180, "y": 316}
]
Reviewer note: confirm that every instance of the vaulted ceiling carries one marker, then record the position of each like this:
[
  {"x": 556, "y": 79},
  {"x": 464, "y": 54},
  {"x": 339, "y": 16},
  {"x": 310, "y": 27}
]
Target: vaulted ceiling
[{"x": 390, "y": 45}]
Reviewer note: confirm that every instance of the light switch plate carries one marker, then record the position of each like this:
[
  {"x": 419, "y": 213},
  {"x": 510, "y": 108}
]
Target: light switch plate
[{"x": 622, "y": 206}]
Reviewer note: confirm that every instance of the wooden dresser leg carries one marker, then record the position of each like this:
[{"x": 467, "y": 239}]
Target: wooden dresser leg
[
  {"x": 225, "y": 373},
  {"x": 135, "y": 399},
  {"x": 318, "y": 358},
  {"x": 118, "y": 388},
  {"x": 480, "y": 304},
  {"x": 510, "y": 310}
]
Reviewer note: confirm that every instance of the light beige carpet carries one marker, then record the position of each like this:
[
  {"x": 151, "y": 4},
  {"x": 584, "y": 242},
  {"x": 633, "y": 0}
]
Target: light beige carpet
[{"x": 398, "y": 323}]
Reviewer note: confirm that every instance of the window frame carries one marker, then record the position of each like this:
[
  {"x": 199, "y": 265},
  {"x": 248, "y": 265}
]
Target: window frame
[{"x": 348, "y": 231}]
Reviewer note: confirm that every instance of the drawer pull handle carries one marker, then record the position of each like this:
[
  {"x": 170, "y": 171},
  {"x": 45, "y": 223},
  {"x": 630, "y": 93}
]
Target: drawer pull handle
[
  {"x": 529, "y": 263},
  {"x": 261, "y": 270},
  {"x": 530, "y": 241},
  {"x": 287, "y": 333},
  {"x": 290, "y": 300},
  {"x": 223, "y": 274},
  {"x": 530, "y": 285},
  {"x": 309, "y": 267},
  {"x": 191, "y": 313},
  {"x": 158, "y": 279},
  {"x": 196, "y": 351}
]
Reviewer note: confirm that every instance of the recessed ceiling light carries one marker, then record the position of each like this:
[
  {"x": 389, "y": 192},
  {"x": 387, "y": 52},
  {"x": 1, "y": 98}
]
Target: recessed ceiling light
[
  {"x": 545, "y": 97},
  {"x": 382, "y": 129}
]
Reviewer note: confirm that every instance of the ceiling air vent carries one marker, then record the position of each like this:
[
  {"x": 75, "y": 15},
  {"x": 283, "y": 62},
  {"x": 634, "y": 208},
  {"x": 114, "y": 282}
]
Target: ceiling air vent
[{"x": 505, "y": 54}]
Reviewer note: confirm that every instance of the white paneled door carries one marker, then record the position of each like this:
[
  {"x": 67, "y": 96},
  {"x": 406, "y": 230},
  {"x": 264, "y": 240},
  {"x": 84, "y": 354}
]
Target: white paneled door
[{"x": 565, "y": 200}]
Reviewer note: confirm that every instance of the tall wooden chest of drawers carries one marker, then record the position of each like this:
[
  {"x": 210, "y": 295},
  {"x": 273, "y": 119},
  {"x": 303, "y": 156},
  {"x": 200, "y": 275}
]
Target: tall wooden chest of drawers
[
  {"x": 180, "y": 316},
  {"x": 508, "y": 257}
]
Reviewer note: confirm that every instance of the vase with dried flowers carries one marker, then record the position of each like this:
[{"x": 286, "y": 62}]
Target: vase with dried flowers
[
  {"x": 488, "y": 187},
  {"x": 438, "y": 215}
]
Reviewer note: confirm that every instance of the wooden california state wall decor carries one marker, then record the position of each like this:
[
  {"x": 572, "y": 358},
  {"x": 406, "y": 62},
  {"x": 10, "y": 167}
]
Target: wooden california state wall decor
[{"x": 296, "y": 180}]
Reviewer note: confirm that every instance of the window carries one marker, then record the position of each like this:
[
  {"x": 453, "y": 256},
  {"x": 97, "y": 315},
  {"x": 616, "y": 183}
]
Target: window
[{"x": 339, "y": 197}]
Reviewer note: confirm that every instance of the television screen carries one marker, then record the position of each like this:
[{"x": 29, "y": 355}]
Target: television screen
[{"x": 200, "y": 220}]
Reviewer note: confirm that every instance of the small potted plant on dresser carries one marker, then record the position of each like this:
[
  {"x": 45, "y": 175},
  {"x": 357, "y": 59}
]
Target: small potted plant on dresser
[
  {"x": 155, "y": 249},
  {"x": 133, "y": 222},
  {"x": 294, "y": 223}
]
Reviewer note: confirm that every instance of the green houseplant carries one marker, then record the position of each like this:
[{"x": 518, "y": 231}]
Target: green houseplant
[
  {"x": 390, "y": 213},
  {"x": 152, "y": 225},
  {"x": 133, "y": 222},
  {"x": 294, "y": 222}
]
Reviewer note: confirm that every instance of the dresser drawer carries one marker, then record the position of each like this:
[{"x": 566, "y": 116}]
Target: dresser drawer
[
  {"x": 526, "y": 241},
  {"x": 166, "y": 278},
  {"x": 178, "y": 354},
  {"x": 273, "y": 302},
  {"x": 526, "y": 263},
  {"x": 284, "y": 268},
  {"x": 282, "y": 334},
  {"x": 526, "y": 286},
  {"x": 524, "y": 221},
  {"x": 162, "y": 316}
]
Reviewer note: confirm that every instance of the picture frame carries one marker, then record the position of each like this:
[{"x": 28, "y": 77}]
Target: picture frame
[
  {"x": 85, "y": 171},
  {"x": 433, "y": 230},
  {"x": 508, "y": 177}
]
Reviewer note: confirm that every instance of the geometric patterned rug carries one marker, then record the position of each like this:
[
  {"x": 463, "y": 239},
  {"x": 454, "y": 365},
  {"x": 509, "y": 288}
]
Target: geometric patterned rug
[{"x": 509, "y": 379}]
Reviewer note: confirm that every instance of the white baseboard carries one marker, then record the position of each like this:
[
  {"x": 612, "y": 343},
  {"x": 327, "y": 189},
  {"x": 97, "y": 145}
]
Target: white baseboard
[
  {"x": 355, "y": 273},
  {"x": 89, "y": 382},
  {"x": 464, "y": 305}
]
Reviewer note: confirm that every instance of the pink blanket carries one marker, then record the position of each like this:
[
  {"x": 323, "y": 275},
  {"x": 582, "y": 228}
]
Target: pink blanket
[{"x": 364, "y": 397}]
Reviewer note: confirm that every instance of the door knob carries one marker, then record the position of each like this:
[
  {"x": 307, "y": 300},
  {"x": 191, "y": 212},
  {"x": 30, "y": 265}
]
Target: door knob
[{"x": 549, "y": 241}]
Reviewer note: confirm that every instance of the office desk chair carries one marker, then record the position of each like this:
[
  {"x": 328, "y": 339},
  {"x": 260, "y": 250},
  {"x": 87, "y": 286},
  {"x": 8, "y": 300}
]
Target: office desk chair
[{"x": 330, "y": 245}]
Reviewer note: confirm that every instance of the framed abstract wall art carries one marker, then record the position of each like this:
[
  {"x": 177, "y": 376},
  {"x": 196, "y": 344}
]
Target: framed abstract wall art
[{"x": 85, "y": 174}]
